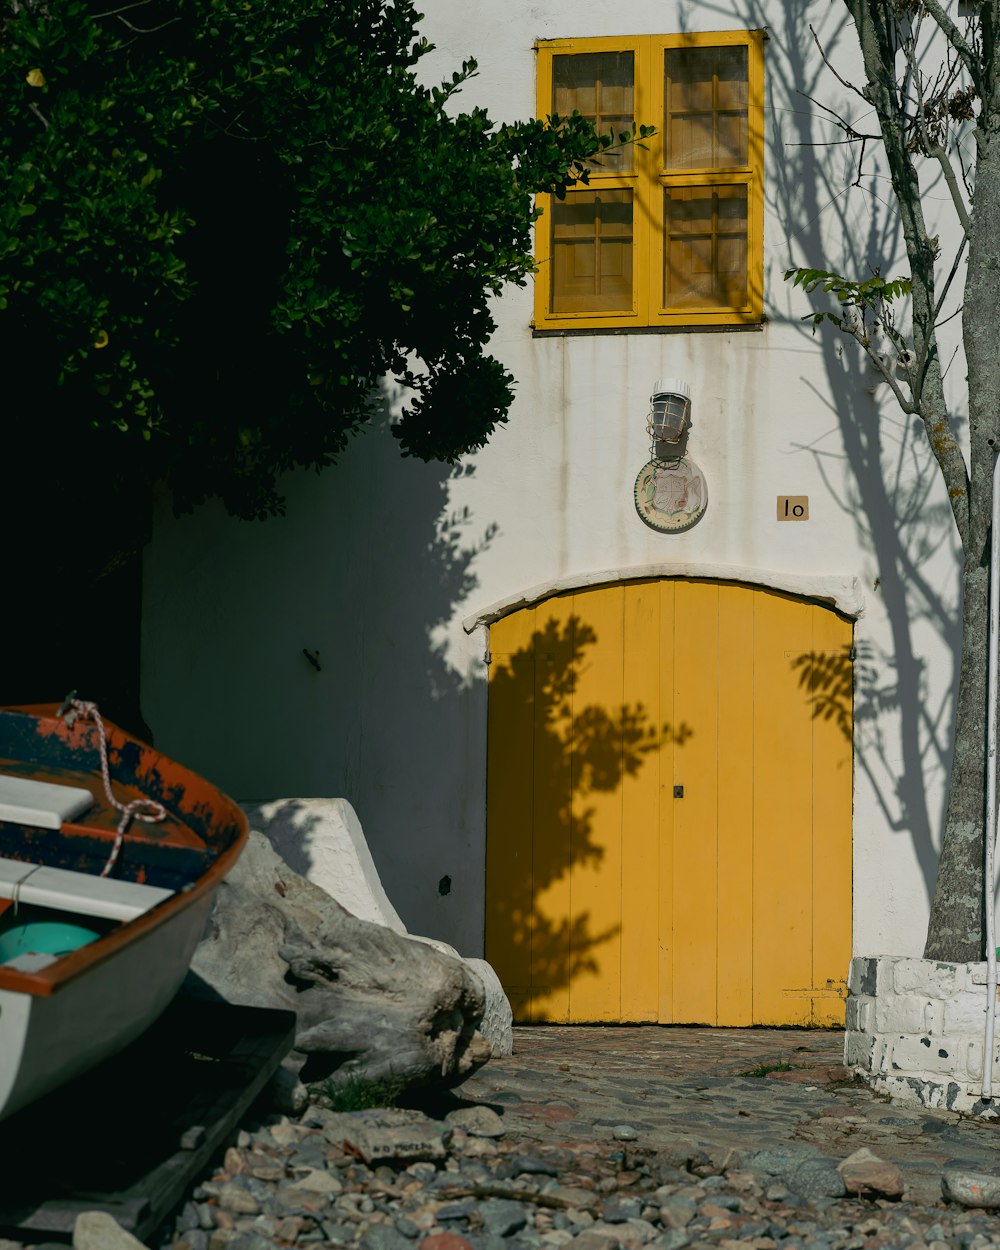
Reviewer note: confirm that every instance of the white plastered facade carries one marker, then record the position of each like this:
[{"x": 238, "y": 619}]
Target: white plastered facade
[{"x": 391, "y": 570}]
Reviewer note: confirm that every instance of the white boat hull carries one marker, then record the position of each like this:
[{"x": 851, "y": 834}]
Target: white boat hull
[{"x": 46, "y": 1040}]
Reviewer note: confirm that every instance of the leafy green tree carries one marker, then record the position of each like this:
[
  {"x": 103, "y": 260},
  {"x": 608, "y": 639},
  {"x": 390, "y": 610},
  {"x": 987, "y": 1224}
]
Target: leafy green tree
[
  {"x": 931, "y": 100},
  {"x": 224, "y": 224}
]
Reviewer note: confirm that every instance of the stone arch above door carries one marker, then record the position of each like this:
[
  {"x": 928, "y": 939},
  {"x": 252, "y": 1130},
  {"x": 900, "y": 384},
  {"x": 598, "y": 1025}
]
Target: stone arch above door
[
  {"x": 841, "y": 591},
  {"x": 669, "y": 805}
]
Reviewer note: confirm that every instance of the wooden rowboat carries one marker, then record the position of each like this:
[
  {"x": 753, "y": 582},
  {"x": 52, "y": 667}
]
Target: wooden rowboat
[{"x": 105, "y": 890}]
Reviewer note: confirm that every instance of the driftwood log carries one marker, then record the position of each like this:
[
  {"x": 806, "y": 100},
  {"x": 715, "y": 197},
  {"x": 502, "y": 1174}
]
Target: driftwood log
[
  {"x": 371, "y": 1003},
  {"x": 322, "y": 840}
]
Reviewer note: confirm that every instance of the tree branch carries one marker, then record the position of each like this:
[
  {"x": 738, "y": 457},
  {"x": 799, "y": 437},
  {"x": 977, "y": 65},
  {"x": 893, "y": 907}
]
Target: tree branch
[
  {"x": 956, "y": 39},
  {"x": 148, "y": 30},
  {"x": 941, "y": 156},
  {"x": 843, "y": 81},
  {"x": 139, "y": 4},
  {"x": 857, "y": 332},
  {"x": 948, "y": 281}
]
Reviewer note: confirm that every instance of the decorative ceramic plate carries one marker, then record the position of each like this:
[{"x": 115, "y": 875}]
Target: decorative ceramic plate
[{"x": 671, "y": 497}]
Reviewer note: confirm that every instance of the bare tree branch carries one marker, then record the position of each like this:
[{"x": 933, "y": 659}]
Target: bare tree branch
[
  {"x": 147, "y": 30},
  {"x": 878, "y": 360},
  {"x": 843, "y": 81},
  {"x": 957, "y": 41},
  {"x": 139, "y": 4},
  {"x": 948, "y": 169},
  {"x": 939, "y": 305}
]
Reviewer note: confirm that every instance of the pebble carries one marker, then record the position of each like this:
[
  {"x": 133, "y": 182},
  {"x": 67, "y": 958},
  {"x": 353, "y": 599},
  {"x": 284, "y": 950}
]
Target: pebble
[
  {"x": 601, "y": 1194},
  {"x": 864, "y": 1173},
  {"x": 477, "y": 1121},
  {"x": 502, "y": 1217},
  {"x": 972, "y": 1189},
  {"x": 96, "y": 1230}
]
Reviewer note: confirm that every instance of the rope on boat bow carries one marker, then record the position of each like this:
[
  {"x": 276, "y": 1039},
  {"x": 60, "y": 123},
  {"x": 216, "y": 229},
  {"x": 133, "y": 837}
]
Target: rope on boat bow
[{"x": 74, "y": 709}]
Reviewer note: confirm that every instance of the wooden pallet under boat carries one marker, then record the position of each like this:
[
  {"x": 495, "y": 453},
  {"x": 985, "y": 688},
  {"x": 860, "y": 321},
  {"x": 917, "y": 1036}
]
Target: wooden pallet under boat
[{"x": 134, "y": 1134}]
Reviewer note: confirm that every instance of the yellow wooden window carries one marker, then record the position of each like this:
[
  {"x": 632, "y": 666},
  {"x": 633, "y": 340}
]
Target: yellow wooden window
[{"x": 669, "y": 235}]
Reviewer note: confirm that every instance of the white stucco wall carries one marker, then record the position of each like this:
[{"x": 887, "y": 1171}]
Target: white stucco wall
[{"x": 380, "y": 561}]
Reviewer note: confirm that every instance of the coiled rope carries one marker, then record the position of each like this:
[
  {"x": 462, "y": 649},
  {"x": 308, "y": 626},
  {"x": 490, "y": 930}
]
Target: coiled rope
[{"x": 74, "y": 709}]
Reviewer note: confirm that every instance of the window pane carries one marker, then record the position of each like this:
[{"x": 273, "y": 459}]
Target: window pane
[
  {"x": 592, "y": 252},
  {"x": 600, "y": 85},
  {"x": 706, "y": 95},
  {"x": 705, "y": 247}
]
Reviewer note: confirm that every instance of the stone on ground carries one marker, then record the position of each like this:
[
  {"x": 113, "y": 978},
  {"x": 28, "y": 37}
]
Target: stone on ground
[
  {"x": 865, "y": 1174},
  {"x": 97, "y": 1230},
  {"x": 477, "y": 1121},
  {"x": 972, "y": 1189}
]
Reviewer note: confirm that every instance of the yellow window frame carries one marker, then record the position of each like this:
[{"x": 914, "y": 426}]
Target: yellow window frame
[{"x": 650, "y": 178}]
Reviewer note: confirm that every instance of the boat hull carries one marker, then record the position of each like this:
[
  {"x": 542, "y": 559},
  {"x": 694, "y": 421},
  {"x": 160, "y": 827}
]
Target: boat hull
[
  {"x": 143, "y": 898},
  {"x": 48, "y": 1040}
]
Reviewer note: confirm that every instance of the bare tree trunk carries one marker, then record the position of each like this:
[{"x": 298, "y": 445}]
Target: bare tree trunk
[
  {"x": 956, "y": 927},
  {"x": 957, "y": 920},
  {"x": 957, "y": 923}
]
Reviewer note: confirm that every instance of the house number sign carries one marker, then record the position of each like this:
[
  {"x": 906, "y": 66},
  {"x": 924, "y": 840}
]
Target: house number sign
[{"x": 793, "y": 507}]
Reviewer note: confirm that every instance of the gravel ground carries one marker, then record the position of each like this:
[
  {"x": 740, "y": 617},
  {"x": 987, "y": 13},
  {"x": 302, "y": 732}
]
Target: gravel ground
[{"x": 609, "y": 1139}]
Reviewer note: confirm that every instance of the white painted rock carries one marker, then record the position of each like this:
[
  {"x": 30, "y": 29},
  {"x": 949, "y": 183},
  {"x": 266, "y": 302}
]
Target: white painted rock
[{"x": 322, "y": 840}]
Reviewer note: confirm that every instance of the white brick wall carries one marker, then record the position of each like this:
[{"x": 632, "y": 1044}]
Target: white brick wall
[{"x": 915, "y": 1030}]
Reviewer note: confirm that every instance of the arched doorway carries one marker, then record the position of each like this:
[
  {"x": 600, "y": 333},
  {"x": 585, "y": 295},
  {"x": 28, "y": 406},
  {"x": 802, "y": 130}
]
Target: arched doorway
[{"x": 670, "y": 805}]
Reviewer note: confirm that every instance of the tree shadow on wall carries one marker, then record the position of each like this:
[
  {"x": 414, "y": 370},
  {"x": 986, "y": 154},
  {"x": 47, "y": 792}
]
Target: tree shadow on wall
[
  {"x": 875, "y": 463},
  {"x": 363, "y": 574},
  {"x": 828, "y": 677},
  {"x": 854, "y": 695},
  {"x": 555, "y": 831}
]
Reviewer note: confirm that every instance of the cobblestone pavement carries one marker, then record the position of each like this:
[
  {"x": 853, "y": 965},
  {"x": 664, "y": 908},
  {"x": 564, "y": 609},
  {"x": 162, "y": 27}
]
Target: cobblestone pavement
[{"x": 687, "y": 1089}]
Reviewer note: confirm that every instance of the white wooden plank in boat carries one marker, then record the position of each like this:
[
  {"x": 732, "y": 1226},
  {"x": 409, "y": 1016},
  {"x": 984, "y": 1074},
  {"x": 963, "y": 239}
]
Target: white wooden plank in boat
[
  {"x": 79, "y": 892},
  {"x": 43, "y": 804},
  {"x": 11, "y": 872}
]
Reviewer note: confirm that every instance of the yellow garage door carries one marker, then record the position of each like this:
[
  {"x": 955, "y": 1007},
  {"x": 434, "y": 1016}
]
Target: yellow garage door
[{"x": 669, "y": 806}]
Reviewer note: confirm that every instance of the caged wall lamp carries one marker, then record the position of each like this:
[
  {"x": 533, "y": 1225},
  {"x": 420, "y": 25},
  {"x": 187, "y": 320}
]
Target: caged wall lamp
[
  {"x": 670, "y": 492},
  {"x": 669, "y": 415}
]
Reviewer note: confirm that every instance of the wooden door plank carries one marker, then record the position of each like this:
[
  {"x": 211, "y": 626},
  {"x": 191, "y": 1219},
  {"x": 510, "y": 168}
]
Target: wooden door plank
[
  {"x": 595, "y": 939},
  {"x": 559, "y": 649},
  {"x": 671, "y": 751},
  {"x": 642, "y": 744},
  {"x": 696, "y": 861},
  {"x": 783, "y": 803},
  {"x": 831, "y": 691},
  {"x": 735, "y": 788},
  {"x": 509, "y": 821}
]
